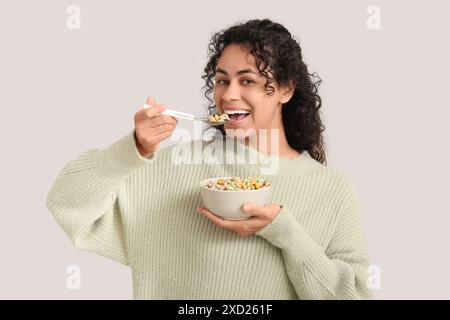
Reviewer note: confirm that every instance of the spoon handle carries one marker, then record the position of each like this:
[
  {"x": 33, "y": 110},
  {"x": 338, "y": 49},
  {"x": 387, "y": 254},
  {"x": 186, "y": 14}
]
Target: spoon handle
[{"x": 178, "y": 114}]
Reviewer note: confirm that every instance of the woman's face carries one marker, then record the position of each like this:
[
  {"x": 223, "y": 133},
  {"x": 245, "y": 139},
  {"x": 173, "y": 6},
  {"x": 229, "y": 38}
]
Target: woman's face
[{"x": 239, "y": 86}]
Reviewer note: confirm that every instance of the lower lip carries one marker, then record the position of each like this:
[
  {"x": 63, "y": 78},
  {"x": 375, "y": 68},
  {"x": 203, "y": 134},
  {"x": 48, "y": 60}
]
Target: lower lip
[{"x": 232, "y": 122}]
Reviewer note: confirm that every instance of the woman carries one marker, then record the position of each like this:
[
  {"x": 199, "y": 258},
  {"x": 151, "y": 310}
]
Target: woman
[{"x": 132, "y": 203}]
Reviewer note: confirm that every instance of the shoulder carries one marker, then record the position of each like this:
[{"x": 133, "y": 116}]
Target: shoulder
[
  {"x": 330, "y": 173},
  {"x": 335, "y": 190},
  {"x": 345, "y": 188},
  {"x": 334, "y": 182}
]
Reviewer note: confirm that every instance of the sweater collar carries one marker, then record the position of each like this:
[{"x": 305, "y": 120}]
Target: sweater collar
[
  {"x": 268, "y": 164},
  {"x": 242, "y": 147}
]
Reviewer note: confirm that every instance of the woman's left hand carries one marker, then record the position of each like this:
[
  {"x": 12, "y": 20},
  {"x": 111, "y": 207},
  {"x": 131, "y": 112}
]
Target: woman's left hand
[{"x": 260, "y": 217}]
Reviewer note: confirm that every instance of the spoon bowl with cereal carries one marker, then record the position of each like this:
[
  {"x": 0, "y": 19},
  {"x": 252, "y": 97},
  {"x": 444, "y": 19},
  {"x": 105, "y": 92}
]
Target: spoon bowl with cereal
[{"x": 212, "y": 120}]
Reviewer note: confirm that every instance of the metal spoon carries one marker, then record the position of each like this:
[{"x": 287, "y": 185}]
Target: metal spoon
[{"x": 188, "y": 116}]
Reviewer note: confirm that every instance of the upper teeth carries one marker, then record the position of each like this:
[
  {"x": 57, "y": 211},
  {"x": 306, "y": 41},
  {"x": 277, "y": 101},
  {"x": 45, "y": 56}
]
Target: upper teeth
[{"x": 241, "y": 111}]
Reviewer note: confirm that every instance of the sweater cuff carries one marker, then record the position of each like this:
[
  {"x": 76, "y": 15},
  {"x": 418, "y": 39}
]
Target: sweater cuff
[
  {"x": 122, "y": 157},
  {"x": 286, "y": 233}
]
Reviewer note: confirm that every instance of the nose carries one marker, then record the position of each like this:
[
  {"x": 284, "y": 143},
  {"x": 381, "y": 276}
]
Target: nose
[{"x": 232, "y": 92}]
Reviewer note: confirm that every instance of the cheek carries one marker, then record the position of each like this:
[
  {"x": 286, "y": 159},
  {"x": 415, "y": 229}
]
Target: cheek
[
  {"x": 263, "y": 111},
  {"x": 216, "y": 98}
]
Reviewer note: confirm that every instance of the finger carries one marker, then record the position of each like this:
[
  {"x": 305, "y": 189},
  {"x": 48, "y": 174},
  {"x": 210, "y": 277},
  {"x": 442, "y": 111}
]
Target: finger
[
  {"x": 151, "y": 101},
  {"x": 167, "y": 119},
  {"x": 145, "y": 129},
  {"x": 217, "y": 220},
  {"x": 150, "y": 112},
  {"x": 157, "y": 121},
  {"x": 253, "y": 209},
  {"x": 154, "y": 131},
  {"x": 163, "y": 135},
  {"x": 156, "y": 140},
  {"x": 147, "y": 113}
]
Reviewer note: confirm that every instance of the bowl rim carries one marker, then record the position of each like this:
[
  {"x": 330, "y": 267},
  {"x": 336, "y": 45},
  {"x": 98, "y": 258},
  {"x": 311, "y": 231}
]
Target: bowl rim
[{"x": 203, "y": 186}]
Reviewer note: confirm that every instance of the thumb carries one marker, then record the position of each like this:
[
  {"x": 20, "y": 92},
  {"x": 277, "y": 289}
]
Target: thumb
[
  {"x": 150, "y": 102},
  {"x": 248, "y": 207}
]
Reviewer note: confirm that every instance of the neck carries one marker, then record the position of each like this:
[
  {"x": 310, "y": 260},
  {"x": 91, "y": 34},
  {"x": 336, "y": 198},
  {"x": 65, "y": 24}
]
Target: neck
[{"x": 272, "y": 141}]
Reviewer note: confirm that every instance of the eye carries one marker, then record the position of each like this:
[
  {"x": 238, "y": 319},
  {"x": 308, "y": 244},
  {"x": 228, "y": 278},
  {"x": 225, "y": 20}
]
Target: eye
[
  {"x": 245, "y": 81},
  {"x": 220, "y": 81}
]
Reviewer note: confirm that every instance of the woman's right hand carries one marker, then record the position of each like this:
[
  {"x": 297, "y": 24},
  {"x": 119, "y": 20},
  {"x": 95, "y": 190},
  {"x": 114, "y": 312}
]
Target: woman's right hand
[{"x": 151, "y": 127}]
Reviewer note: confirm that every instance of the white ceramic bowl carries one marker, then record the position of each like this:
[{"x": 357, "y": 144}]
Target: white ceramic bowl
[{"x": 228, "y": 204}]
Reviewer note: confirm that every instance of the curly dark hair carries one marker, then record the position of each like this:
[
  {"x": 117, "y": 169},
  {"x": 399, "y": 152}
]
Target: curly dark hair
[{"x": 276, "y": 51}]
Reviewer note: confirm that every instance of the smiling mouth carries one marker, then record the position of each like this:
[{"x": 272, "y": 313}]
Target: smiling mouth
[{"x": 237, "y": 115}]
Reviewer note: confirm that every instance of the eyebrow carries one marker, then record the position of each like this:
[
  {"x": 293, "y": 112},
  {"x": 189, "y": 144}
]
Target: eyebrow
[{"x": 218, "y": 70}]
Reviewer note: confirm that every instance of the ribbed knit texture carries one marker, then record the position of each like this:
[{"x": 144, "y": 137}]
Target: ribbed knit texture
[{"x": 142, "y": 213}]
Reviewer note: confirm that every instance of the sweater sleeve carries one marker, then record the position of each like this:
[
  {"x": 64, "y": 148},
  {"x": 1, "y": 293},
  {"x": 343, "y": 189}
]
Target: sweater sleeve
[
  {"x": 84, "y": 198},
  {"x": 340, "y": 271}
]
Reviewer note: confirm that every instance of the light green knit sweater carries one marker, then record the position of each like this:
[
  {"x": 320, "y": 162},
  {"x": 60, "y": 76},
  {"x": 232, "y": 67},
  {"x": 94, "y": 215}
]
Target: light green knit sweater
[{"x": 142, "y": 213}]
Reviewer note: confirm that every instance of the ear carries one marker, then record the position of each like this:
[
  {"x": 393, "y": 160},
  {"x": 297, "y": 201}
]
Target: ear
[{"x": 287, "y": 91}]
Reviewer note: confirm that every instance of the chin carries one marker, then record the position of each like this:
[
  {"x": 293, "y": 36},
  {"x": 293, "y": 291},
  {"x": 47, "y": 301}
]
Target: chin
[{"x": 239, "y": 132}]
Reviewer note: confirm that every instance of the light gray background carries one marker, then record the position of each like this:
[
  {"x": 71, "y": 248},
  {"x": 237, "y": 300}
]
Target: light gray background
[{"x": 385, "y": 108}]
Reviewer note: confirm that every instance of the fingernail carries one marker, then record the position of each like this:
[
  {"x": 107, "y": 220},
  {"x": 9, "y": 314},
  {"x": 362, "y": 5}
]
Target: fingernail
[{"x": 246, "y": 207}]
